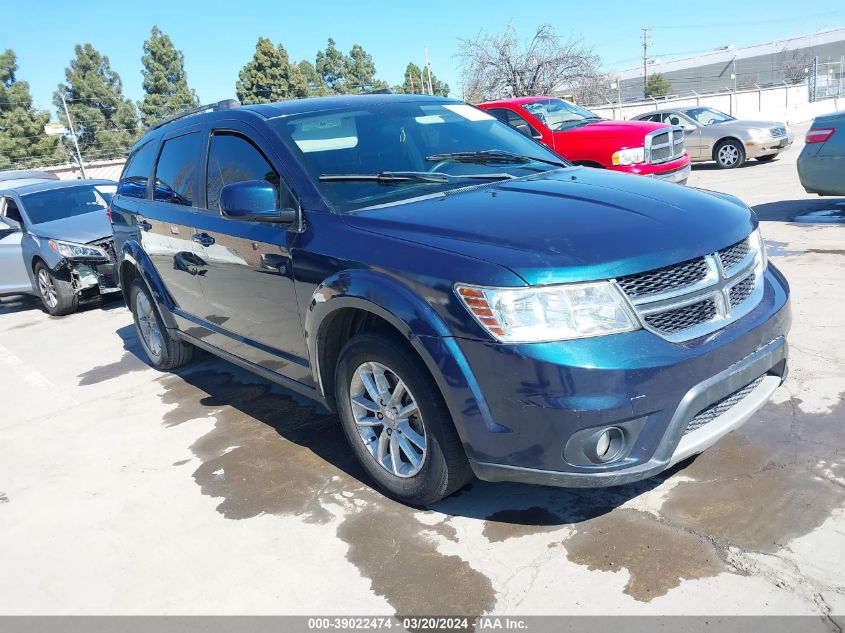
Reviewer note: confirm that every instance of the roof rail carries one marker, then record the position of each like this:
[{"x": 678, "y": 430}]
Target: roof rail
[{"x": 226, "y": 104}]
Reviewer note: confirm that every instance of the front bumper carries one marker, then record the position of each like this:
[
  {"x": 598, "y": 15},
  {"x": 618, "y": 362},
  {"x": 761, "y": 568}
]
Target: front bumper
[
  {"x": 679, "y": 176},
  {"x": 522, "y": 410},
  {"x": 755, "y": 148},
  {"x": 677, "y": 170}
]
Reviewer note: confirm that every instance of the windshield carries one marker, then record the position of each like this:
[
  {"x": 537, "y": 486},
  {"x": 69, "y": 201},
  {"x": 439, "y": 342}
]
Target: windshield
[
  {"x": 708, "y": 116},
  {"x": 414, "y": 138},
  {"x": 558, "y": 114},
  {"x": 67, "y": 202}
]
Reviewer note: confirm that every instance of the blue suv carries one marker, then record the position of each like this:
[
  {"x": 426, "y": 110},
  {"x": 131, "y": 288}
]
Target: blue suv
[{"x": 467, "y": 302}]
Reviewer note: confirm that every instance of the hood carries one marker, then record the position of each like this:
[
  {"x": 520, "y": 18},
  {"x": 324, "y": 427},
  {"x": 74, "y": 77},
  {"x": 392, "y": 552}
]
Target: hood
[
  {"x": 745, "y": 124},
  {"x": 79, "y": 228},
  {"x": 617, "y": 129},
  {"x": 574, "y": 224}
]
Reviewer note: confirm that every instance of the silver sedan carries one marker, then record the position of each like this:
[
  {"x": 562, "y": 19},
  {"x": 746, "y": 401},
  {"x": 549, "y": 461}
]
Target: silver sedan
[{"x": 714, "y": 135}]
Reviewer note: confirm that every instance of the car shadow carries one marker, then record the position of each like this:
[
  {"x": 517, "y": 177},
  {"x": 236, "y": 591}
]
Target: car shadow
[
  {"x": 806, "y": 210},
  {"x": 22, "y": 303},
  {"x": 18, "y": 303},
  {"x": 212, "y": 385}
]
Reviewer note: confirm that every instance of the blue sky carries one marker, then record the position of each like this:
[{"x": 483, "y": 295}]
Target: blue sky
[{"x": 218, "y": 38}]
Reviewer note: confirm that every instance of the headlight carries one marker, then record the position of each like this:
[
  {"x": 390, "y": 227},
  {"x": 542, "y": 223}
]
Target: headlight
[
  {"x": 757, "y": 243},
  {"x": 760, "y": 135},
  {"x": 629, "y": 156},
  {"x": 72, "y": 250},
  {"x": 549, "y": 313}
]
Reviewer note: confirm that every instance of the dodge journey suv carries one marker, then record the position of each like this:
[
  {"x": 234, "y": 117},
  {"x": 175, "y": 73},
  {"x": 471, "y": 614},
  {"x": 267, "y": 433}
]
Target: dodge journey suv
[{"x": 467, "y": 302}]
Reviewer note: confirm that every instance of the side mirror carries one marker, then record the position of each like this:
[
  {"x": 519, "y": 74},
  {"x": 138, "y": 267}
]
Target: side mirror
[
  {"x": 10, "y": 224},
  {"x": 254, "y": 201},
  {"x": 689, "y": 128}
]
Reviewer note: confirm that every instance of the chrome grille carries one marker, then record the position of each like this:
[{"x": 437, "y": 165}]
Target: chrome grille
[
  {"x": 661, "y": 146},
  {"x": 107, "y": 244},
  {"x": 741, "y": 291},
  {"x": 697, "y": 296},
  {"x": 778, "y": 131},
  {"x": 734, "y": 254},
  {"x": 678, "y": 319},
  {"x": 663, "y": 279},
  {"x": 722, "y": 406}
]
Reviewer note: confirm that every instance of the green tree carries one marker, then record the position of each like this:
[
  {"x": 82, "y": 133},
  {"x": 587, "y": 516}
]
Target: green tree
[
  {"x": 22, "y": 139},
  {"x": 165, "y": 81},
  {"x": 106, "y": 122},
  {"x": 416, "y": 82},
  {"x": 270, "y": 76},
  {"x": 316, "y": 86},
  {"x": 331, "y": 66},
  {"x": 657, "y": 86}
]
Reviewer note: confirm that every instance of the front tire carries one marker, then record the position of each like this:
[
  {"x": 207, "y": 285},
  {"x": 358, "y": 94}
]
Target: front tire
[
  {"x": 729, "y": 154},
  {"x": 396, "y": 421},
  {"x": 58, "y": 296},
  {"x": 163, "y": 350}
]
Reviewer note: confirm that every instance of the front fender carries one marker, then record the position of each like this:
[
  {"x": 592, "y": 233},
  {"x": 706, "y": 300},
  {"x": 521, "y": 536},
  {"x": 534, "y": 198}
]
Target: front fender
[
  {"x": 398, "y": 304},
  {"x": 133, "y": 254}
]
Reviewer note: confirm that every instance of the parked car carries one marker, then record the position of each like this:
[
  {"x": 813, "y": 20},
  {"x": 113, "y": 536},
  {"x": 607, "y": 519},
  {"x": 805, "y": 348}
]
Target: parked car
[
  {"x": 584, "y": 138},
  {"x": 714, "y": 135},
  {"x": 55, "y": 241},
  {"x": 821, "y": 164},
  {"x": 467, "y": 302}
]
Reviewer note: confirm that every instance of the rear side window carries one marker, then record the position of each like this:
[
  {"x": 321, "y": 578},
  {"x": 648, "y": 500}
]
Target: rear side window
[
  {"x": 176, "y": 170},
  {"x": 139, "y": 166},
  {"x": 233, "y": 158}
]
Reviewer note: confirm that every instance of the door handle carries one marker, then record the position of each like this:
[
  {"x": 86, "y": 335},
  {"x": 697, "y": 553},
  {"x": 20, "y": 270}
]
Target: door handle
[
  {"x": 203, "y": 238},
  {"x": 144, "y": 225}
]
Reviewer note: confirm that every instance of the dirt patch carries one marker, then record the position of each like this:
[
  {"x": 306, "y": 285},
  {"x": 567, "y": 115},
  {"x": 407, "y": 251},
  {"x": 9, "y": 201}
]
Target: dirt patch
[
  {"x": 657, "y": 556},
  {"x": 21, "y": 326},
  {"x": 767, "y": 483},
  {"x": 3, "y": 498},
  {"x": 506, "y": 524},
  {"x": 127, "y": 364},
  {"x": 406, "y": 569}
]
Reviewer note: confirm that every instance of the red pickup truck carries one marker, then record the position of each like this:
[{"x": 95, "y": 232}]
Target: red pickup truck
[{"x": 584, "y": 138}]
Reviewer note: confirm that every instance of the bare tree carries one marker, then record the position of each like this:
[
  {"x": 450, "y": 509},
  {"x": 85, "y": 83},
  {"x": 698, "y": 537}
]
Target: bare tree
[
  {"x": 500, "y": 65},
  {"x": 793, "y": 65}
]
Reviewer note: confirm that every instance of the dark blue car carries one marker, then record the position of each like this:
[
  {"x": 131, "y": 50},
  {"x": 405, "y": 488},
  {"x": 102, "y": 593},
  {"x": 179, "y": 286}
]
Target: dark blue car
[{"x": 468, "y": 302}]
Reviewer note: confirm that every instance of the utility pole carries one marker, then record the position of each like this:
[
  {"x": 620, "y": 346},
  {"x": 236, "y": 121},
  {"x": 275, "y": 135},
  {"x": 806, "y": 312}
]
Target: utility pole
[
  {"x": 646, "y": 44},
  {"x": 73, "y": 136},
  {"x": 428, "y": 68}
]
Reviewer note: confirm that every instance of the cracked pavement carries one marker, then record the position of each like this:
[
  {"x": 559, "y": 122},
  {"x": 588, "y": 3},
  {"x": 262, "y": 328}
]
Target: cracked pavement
[{"x": 127, "y": 491}]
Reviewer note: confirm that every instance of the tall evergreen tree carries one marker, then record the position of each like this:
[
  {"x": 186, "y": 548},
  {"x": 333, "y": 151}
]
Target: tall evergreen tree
[
  {"x": 105, "y": 121},
  {"x": 270, "y": 76},
  {"x": 331, "y": 66},
  {"x": 165, "y": 81},
  {"x": 416, "y": 82},
  {"x": 316, "y": 86},
  {"x": 22, "y": 139}
]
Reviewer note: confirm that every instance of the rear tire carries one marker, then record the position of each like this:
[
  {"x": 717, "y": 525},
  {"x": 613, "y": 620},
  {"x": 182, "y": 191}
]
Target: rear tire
[
  {"x": 57, "y": 295},
  {"x": 431, "y": 461},
  {"x": 729, "y": 154},
  {"x": 163, "y": 350}
]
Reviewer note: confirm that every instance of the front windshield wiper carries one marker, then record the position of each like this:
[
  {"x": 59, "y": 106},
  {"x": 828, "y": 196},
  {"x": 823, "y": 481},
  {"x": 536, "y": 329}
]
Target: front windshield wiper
[
  {"x": 390, "y": 177},
  {"x": 493, "y": 156}
]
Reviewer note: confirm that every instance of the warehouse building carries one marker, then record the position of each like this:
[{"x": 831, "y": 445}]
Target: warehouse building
[{"x": 737, "y": 68}]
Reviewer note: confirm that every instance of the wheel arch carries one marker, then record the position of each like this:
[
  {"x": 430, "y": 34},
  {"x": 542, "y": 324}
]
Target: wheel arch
[
  {"x": 718, "y": 144},
  {"x": 134, "y": 262}
]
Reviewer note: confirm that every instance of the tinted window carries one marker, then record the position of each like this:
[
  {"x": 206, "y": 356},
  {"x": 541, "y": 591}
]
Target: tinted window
[
  {"x": 12, "y": 211},
  {"x": 176, "y": 170},
  {"x": 55, "y": 204},
  {"x": 232, "y": 158},
  {"x": 133, "y": 181},
  {"x": 368, "y": 138}
]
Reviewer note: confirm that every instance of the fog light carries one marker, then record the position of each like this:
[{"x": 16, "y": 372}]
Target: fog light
[{"x": 609, "y": 444}]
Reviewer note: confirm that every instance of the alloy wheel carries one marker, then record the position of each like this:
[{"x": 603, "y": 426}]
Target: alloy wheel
[
  {"x": 388, "y": 419},
  {"x": 728, "y": 155},
  {"x": 47, "y": 289},
  {"x": 148, "y": 325}
]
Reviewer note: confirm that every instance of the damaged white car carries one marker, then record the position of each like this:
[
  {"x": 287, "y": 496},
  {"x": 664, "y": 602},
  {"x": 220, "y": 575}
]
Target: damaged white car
[{"x": 56, "y": 240}]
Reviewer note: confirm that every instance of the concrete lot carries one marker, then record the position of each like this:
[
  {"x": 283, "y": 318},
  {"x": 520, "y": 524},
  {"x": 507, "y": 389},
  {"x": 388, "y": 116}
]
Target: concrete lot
[{"x": 127, "y": 491}]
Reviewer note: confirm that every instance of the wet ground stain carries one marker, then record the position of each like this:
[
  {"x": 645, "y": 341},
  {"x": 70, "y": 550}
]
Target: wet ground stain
[
  {"x": 767, "y": 483},
  {"x": 3, "y": 498},
  {"x": 780, "y": 249},
  {"x": 22, "y": 326},
  {"x": 127, "y": 364},
  {"x": 405, "y": 567},
  {"x": 270, "y": 453},
  {"x": 505, "y": 524},
  {"x": 657, "y": 556}
]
